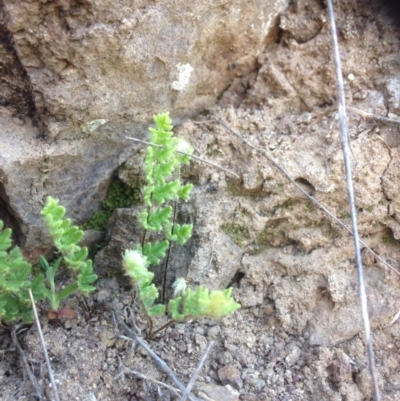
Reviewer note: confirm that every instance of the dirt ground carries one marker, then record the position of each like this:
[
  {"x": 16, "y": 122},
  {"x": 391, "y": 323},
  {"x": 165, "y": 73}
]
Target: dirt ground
[{"x": 298, "y": 335}]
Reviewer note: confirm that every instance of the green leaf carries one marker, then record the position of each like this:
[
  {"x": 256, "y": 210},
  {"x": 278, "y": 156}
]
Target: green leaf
[
  {"x": 66, "y": 292},
  {"x": 72, "y": 235},
  {"x": 49, "y": 270},
  {"x": 86, "y": 277},
  {"x": 75, "y": 259},
  {"x": 38, "y": 288},
  {"x": 182, "y": 232},
  {"x": 173, "y": 308},
  {"x": 166, "y": 191},
  {"x": 148, "y": 294},
  {"x": 26, "y": 314},
  {"x": 163, "y": 121},
  {"x": 147, "y": 194},
  {"x": 155, "y": 251},
  {"x": 184, "y": 192},
  {"x": 17, "y": 263},
  {"x": 5, "y": 238},
  {"x": 66, "y": 238},
  {"x": 156, "y": 310},
  {"x": 163, "y": 155},
  {"x": 14, "y": 286},
  {"x": 206, "y": 303},
  {"x": 52, "y": 211},
  {"x": 161, "y": 171},
  {"x": 159, "y": 217},
  {"x": 56, "y": 264}
]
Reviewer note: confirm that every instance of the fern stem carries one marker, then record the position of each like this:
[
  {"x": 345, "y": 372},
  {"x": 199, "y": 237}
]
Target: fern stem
[
  {"x": 164, "y": 284},
  {"x": 163, "y": 327}
]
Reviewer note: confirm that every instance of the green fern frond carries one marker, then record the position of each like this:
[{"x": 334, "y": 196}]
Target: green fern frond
[
  {"x": 181, "y": 233},
  {"x": 14, "y": 281},
  {"x": 203, "y": 303},
  {"x": 166, "y": 191},
  {"x": 184, "y": 192},
  {"x": 161, "y": 166},
  {"x": 155, "y": 251},
  {"x": 163, "y": 121}
]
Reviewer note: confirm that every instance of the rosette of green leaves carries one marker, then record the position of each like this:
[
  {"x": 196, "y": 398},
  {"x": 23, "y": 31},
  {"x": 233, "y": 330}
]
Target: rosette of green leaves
[
  {"x": 15, "y": 274},
  {"x": 162, "y": 170}
]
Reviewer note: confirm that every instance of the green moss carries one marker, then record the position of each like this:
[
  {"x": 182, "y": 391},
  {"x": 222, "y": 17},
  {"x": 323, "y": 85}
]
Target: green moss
[
  {"x": 287, "y": 205},
  {"x": 118, "y": 196},
  {"x": 235, "y": 188},
  {"x": 238, "y": 233},
  {"x": 344, "y": 215},
  {"x": 369, "y": 209},
  {"x": 310, "y": 207},
  {"x": 388, "y": 238}
]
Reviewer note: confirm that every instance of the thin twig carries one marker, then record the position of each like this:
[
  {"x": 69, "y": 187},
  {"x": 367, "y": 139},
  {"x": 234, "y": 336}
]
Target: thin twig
[
  {"x": 352, "y": 203},
  {"x": 197, "y": 371},
  {"x": 160, "y": 363},
  {"x": 150, "y": 379},
  {"x": 163, "y": 327},
  {"x": 365, "y": 114},
  {"x": 167, "y": 259},
  {"x": 25, "y": 364},
  {"x": 46, "y": 355},
  {"x": 187, "y": 154}
]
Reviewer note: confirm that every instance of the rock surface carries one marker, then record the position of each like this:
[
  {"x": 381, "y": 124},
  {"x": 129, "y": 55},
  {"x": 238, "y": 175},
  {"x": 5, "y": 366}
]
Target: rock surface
[
  {"x": 298, "y": 335},
  {"x": 77, "y": 77},
  {"x": 112, "y": 59}
]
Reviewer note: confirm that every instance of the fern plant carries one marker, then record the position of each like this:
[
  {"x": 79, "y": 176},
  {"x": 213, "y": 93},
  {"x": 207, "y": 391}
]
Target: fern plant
[
  {"x": 15, "y": 271},
  {"x": 66, "y": 239},
  {"x": 15, "y": 274},
  {"x": 162, "y": 165}
]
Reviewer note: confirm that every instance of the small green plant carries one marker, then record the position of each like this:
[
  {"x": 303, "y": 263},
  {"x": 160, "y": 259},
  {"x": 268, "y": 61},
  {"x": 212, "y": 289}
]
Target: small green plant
[
  {"x": 66, "y": 239},
  {"x": 16, "y": 272},
  {"x": 15, "y": 280},
  {"x": 162, "y": 169}
]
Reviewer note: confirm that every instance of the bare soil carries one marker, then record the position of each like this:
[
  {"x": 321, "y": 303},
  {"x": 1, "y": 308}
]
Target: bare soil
[{"x": 298, "y": 335}]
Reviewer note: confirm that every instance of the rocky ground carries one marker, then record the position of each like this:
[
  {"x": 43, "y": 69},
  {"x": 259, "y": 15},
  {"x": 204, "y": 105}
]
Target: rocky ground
[{"x": 299, "y": 333}]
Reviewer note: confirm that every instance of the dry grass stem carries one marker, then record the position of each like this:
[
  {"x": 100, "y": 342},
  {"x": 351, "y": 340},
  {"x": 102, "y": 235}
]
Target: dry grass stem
[
  {"x": 25, "y": 365},
  {"x": 154, "y": 381},
  {"x": 365, "y": 114},
  {"x": 187, "y": 154},
  {"x": 46, "y": 355},
  {"x": 197, "y": 371},
  {"x": 159, "y": 362}
]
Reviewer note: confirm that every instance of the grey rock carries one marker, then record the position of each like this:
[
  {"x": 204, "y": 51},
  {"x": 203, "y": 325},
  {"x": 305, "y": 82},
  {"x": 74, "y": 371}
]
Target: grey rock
[
  {"x": 107, "y": 59},
  {"x": 230, "y": 375},
  {"x": 293, "y": 356},
  {"x": 255, "y": 382},
  {"x": 216, "y": 392},
  {"x": 77, "y": 78}
]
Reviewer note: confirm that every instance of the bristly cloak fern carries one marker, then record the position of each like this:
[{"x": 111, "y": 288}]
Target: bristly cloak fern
[
  {"x": 162, "y": 165},
  {"x": 15, "y": 273}
]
